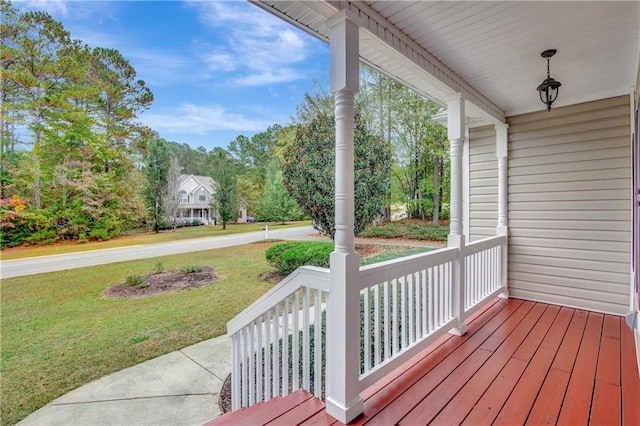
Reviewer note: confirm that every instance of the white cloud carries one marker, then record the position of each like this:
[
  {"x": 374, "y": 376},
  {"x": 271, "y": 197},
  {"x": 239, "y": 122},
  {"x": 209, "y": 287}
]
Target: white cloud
[
  {"x": 52, "y": 7},
  {"x": 197, "y": 119},
  {"x": 268, "y": 77},
  {"x": 262, "y": 47},
  {"x": 219, "y": 61}
]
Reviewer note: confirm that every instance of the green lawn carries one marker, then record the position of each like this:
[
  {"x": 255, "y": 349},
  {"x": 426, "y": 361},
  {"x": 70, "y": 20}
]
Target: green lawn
[
  {"x": 142, "y": 238},
  {"x": 58, "y": 333}
]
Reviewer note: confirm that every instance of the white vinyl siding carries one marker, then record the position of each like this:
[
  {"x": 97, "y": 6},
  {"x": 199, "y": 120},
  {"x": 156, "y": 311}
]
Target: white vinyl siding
[
  {"x": 569, "y": 211},
  {"x": 483, "y": 183}
]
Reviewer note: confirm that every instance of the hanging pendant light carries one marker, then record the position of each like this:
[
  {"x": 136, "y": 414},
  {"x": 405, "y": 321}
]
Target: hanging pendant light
[{"x": 550, "y": 87}]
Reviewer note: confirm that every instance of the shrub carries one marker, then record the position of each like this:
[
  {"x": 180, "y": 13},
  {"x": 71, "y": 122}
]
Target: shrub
[
  {"x": 287, "y": 257},
  {"x": 417, "y": 230},
  {"x": 428, "y": 233},
  {"x": 192, "y": 269},
  {"x": 158, "y": 268},
  {"x": 136, "y": 281},
  {"x": 43, "y": 236}
]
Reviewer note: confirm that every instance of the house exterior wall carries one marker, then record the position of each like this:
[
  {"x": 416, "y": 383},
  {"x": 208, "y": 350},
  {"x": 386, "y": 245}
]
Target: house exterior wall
[
  {"x": 483, "y": 183},
  {"x": 569, "y": 205}
]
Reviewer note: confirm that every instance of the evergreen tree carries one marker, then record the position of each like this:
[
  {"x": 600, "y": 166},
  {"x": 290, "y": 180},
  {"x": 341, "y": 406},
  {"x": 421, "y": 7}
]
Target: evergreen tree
[
  {"x": 225, "y": 198},
  {"x": 309, "y": 170},
  {"x": 157, "y": 173},
  {"x": 276, "y": 205}
]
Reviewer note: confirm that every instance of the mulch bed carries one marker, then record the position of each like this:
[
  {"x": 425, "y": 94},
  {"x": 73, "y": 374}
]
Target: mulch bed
[{"x": 162, "y": 282}]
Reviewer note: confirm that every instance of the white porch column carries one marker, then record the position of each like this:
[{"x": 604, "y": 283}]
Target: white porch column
[
  {"x": 502, "y": 152},
  {"x": 456, "y": 133},
  {"x": 343, "y": 312}
]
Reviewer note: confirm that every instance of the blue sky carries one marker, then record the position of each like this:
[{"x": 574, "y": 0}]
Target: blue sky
[{"x": 217, "y": 69}]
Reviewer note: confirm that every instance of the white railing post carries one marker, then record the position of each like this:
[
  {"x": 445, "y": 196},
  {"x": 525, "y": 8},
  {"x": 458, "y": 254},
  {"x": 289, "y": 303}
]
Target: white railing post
[
  {"x": 502, "y": 152},
  {"x": 456, "y": 133},
  {"x": 343, "y": 309}
]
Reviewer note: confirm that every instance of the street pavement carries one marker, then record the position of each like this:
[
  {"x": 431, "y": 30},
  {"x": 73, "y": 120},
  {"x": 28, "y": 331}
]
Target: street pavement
[{"x": 37, "y": 265}]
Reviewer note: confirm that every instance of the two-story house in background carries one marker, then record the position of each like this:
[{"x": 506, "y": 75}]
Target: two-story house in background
[{"x": 196, "y": 195}]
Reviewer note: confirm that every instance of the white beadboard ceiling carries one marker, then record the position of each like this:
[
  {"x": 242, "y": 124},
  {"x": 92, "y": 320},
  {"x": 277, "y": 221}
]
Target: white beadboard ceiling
[{"x": 491, "y": 50}]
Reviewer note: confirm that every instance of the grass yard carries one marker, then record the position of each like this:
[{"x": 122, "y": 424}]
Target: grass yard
[
  {"x": 58, "y": 334},
  {"x": 142, "y": 238}
]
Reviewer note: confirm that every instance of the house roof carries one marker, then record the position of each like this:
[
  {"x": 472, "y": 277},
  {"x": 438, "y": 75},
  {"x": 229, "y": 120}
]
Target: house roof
[
  {"x": 490, "y": 51},
  {"x": 198, "y": 182}
]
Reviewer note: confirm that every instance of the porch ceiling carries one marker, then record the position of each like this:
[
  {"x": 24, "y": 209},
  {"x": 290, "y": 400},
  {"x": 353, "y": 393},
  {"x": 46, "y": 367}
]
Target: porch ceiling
[{"x": 489, "y": 50}]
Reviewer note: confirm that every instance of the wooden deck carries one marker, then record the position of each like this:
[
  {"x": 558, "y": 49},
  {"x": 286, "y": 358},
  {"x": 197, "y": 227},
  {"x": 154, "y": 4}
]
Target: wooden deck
[{"x": 520, "y": 362}]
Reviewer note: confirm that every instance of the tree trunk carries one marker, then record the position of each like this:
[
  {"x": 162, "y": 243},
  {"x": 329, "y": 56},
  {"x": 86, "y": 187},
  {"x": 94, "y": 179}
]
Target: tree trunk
[
  {"x": 36, "y": 173},
  {"x": 436, "y": 192}
]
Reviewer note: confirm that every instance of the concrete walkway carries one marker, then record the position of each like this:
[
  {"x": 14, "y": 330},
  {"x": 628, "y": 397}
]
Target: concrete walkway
[{"x": 179, "y": 388}]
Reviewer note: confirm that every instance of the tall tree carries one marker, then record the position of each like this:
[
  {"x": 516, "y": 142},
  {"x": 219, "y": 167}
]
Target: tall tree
[
  {"x": 225, "y": 198},
  {"x": 36, "y": 74},
  {"x": 309, "y": 170},
  {"x": 276, "y": 205},
  {"x": 157, "y": 173},
  {"x": 172, "y": 197}
]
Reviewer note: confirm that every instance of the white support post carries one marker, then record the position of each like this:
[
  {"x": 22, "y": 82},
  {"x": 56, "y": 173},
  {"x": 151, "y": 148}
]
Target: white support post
[
  {"x": 502, "y": 152},
  {"x": 456, "y": 134},
  {"x": 343, "y": 307}
]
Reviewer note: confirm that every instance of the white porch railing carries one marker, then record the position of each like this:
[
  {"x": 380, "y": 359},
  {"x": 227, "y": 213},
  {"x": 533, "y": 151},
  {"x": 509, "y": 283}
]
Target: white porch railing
[
  {"x": 485, "y": 271},
  {"x": 406, "y": 304},
  {"x": 277, "y": 342}
]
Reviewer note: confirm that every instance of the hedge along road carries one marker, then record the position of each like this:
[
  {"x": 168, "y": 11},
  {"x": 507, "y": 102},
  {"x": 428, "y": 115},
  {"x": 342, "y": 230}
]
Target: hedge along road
[{"x": 58, "y": 262}]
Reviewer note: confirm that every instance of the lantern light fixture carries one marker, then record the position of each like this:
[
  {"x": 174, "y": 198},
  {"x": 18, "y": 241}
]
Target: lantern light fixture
[{"x": 550, "y": 87}]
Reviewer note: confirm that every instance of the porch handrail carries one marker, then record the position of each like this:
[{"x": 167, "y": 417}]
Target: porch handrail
[
  {"x": 407, "y": 305},
  {"x": 314, "y": 277},
  {"x": 390, "y": 269},
  {"x": 273, "y": 348},
  {"x": 484, "y": 244},
  {"x": 485, "y": 271}
]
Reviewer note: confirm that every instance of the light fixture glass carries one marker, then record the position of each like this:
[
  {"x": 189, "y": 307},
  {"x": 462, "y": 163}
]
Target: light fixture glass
[{"x": 550, "y": 87}]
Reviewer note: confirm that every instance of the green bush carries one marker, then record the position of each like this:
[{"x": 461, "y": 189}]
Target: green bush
[
  {"x": 389, "y": 230},
  {"x": 192, "y": 269},
  {"x": 287, "y": 257},
  {"x": 43, "y": 236},
  {"x": 428, "y": 233},
  {"x": 158, "y": 268},
  {"x": 416, "y": 230},
  {"x": 136, "y": 281}
]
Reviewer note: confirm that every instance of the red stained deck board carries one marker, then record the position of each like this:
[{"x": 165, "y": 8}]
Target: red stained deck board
[
  {"x": 548, "y": 402},
  {"x": 446, "y": 363},
  {"x": 630, "y": 379},
  {"x": 550, "y": 374},
  {"x": 264, "y": 412},
  {"x": 608, "y": 369},
  {"x": 490, "y": 320},
  {"x": 605, "y": 407},
  {"x": 488, "y": 407},
  {"x": 566, "y": 357},
  {"x": 458, "y": 408},
  {"x": 538, "y": 318},
  {"x": 547, "y": 406},
  {"x": 474, "y": 324},
  {"x": 300, "y": 413},
  {"x": 518, "y": 406},
  {"x": 577, "y": 402},
  {"x": 429, "y": 407}
]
